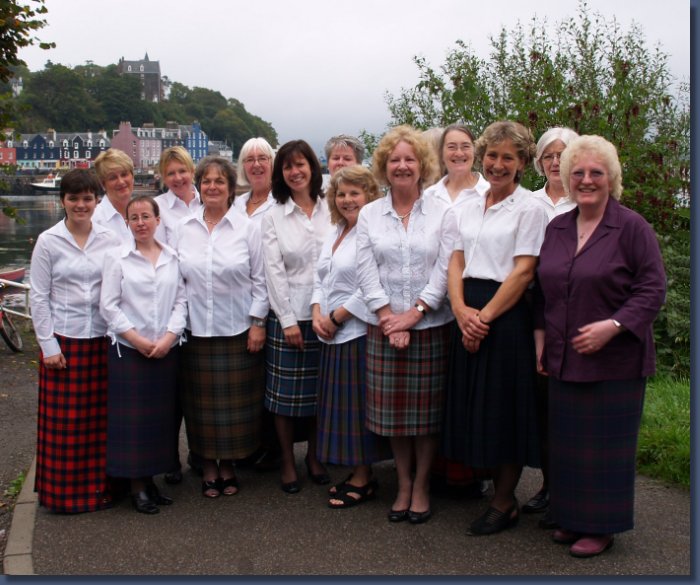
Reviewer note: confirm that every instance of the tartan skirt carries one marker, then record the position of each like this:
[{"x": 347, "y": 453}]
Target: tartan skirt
[
  {"x": 593, "y": 430},
  {"x": 141, "y": 413},
  {"x": 221, "y": 396},
  {"x": 405, "y": 388},
  {"x": 71, "y": 449},
  {"x": 343, "y": 438},
  {"x": 490, "y": 415},
  {"x": 291, "y": 373}
]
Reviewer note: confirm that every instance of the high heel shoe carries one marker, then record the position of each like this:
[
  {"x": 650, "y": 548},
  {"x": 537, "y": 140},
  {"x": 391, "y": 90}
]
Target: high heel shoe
[{"x": 318, "y": 478}]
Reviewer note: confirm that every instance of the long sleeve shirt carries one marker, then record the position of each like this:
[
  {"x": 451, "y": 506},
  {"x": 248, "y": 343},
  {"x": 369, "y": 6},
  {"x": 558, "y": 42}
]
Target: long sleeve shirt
[
  {"x": 223, "y": 272},
  {"x": 65, "y": 285},
  {"x": 398, "y": 266},
  {"x": 139, "y": 295},
  {"x": 172, "y": 209},
  {"x": 292, "y": 243}
]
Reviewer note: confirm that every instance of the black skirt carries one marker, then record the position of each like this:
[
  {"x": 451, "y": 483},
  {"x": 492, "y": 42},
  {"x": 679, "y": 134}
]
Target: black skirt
[{"x": 490, "y": 416}]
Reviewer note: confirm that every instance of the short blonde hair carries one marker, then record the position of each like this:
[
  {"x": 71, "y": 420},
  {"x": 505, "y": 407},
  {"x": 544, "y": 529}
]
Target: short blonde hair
[
  {"x": 177, "y": 154},
  {"x": 111, "y": 159},
  {"x": 425, "y": 153},
  {"x": 600, "y": 147},
  {"x": 355, "y": 175}
]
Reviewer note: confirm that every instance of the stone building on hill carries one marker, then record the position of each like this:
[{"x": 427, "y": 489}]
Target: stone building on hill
[{"x": 149, "y": 73}]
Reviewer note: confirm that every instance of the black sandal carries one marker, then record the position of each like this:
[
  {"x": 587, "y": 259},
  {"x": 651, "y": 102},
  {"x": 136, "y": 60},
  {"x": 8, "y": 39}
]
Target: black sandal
[
  {"x": 228, "y": 483},
  {"x": 213, "y": 485},
  {"x": 361, "y": 494}
]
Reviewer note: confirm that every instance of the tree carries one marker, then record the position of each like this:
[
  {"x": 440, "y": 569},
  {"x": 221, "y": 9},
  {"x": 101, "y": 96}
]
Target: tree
[
  {"x": 18, "y": 22},
  {"x": 590, "y": 76}
]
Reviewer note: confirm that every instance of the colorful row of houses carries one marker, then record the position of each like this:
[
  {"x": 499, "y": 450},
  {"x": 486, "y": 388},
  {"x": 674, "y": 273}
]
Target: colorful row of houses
[{"x": 61, "y": 150}]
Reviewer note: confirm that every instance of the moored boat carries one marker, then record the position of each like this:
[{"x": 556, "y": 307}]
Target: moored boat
[{"x": 50, "y": 183}]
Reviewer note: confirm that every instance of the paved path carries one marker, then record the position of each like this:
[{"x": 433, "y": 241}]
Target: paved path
[{"x": 262, "y": 531}]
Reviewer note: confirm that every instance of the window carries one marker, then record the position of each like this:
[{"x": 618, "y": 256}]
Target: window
[
  {"x": 141, "y": 68},
  {"x": 76, "y": 154},
  {"x": 89, "y": 143},
  {"x": 88, "y": 154},
  {"x": 50, "y": 143},
  {"x": 65, "y": 143},
  {"x": 75, "y": 145},
  {"x": 129, "y": 68}
]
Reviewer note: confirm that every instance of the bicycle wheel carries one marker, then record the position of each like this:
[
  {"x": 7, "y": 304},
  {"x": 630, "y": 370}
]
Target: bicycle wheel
[{"x": 10, "y": 334}]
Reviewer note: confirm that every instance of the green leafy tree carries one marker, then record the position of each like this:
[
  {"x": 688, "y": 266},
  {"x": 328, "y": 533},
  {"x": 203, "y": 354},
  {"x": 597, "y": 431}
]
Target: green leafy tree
[{"x": 18, "y": 23}]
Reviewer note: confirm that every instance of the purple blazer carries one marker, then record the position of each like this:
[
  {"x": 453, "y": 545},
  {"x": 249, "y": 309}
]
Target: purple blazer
[{"x": 618, "y": 274}]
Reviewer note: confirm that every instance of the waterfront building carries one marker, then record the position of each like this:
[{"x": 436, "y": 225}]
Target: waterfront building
[{"x": 52, "y": 150}]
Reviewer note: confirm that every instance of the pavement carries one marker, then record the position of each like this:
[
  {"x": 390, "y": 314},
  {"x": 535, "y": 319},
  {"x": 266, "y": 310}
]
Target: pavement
[{"x": 262, "y": 531}]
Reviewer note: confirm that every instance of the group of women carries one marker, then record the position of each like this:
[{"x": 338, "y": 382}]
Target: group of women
[{"x": 411, "y": 324}]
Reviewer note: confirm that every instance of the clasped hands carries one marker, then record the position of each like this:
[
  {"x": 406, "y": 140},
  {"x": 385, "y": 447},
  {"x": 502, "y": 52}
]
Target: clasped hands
[
  {"x": 473, "y": 329},
  {"x": 396, "y": 327}
]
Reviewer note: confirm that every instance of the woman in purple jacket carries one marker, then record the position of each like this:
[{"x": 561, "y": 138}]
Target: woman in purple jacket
[{"x": 602, "y": 283}]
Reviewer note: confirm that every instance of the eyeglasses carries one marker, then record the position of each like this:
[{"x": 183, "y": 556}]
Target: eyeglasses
[
  {"x": 548, "y": 158},
  {"x": 138, "y": 218},
  {"x": 251, "y": 160}
]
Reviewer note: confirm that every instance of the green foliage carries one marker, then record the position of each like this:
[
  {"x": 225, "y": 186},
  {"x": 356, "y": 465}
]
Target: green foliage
[
  {"x": 94, "y": 97},
  {"x": 664, "y": 435},
  {"x": 672, "y": 327},
  {"x": 15, "y": 486},
  {"x": 591, "y": 76}
]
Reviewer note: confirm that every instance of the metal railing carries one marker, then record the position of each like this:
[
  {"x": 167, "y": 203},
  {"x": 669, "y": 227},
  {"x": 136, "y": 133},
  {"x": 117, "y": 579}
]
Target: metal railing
[{"x": 6, "y": 287}]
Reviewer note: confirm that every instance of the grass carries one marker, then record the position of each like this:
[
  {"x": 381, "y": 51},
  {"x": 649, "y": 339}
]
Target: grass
[{"x": 664, "y": 436}]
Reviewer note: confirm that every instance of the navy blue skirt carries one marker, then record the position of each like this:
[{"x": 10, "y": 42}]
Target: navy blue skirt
[
  {"x": 490, "y": 416},
  {"x": 141, "y": 413},
  {"x": 593, "y": 431}
]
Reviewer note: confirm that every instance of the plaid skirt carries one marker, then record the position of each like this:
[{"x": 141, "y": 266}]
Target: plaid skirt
[
  {"x": 343, "y": 438},
  {"x": 490, "y": 416},
  {"x": 405, "y": 388},
  {"x": 221, "y": 396},
  {"x": 72, "y": 429},
  {"x": 593, "y": 430},
  {"x": 141, "y": 413},
  {"x": 292, "y": 374}
]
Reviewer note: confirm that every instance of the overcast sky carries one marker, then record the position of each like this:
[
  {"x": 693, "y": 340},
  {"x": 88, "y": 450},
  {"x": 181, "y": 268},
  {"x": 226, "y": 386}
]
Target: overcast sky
[{"x": 314, "y": 68}]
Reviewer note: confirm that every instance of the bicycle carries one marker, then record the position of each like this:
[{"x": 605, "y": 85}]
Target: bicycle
[{"x": 8, "y": 330}]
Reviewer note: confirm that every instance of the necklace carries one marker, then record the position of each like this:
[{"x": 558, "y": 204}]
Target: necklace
[
  {"x": 405, "y": 215},
  {"x": 258, "y": 202},
  {"x": 209, "y": 221}
]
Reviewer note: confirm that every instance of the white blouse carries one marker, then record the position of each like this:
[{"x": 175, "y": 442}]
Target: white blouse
[
  {"x": 335, "y": 285},
  {"x": 172, "y": 209},
  {"x": 107, "y": 216},
  {"x": 241, "y": 201},
  {"x": 553, "y": 209},
  {"x": 440, "y": 191},
  {"x": 223, "y": 272},
  {"x": 492, "y": 240},
  {"x": 396, "y": 266},
  {"x": 65, "y": 285},
  {"x": 292, "y": 243},
  {"x": 138, "y": 295}
]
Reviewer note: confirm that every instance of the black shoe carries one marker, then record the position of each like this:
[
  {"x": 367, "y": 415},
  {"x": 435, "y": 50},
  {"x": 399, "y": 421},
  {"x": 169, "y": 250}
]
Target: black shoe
[
  {"x": 419, "y": 517},
  {"x": 144, "y": 504},
  {"x": 493, "y": 521},
  {"x": 291, "y": 487},
  {"x": 268, "y": 460},
  {"x": 537, "y": 503},
  {"x": 547, "y": 522},
  {"x": 318, "y": 478},
  {"x": 397, "y": 515},
  {"x": 156, "y": 497},
  {"x": 173, "y": 477}
]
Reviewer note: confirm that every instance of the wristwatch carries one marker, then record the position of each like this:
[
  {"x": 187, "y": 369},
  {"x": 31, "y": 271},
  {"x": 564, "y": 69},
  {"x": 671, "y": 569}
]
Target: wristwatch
[
  {"x": 331, "y": 316},
  {"x": 616, "y": 323},
  {"x": 258, "y": 322},
  {"x": 420, "y": 308}
]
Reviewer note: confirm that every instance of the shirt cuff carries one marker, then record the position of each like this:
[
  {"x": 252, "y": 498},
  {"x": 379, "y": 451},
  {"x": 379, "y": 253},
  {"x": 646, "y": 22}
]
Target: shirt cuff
[{"x": 50, "y": 347}]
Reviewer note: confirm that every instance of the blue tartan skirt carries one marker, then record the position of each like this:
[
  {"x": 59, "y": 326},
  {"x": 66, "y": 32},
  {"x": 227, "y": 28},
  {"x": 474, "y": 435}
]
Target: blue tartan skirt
[
  {"x": 405, "y": 388},
  {"x": 291, "y": 373},
  {"x": 142, "y": 413},
  {"x": 221, "y": 394},
  {"x": 71, "y": 441},
  {"x": 593, "y": 431},
  {"x": 490, "y": 415},
  {"x": 343, "y": 438}
]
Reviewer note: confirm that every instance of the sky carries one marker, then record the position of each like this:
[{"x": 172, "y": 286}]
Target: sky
[{"x": 316, "y": 68}]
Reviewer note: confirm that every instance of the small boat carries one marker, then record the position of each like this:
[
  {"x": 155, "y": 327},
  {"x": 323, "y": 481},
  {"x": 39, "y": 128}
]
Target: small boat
[
  {"x": 50, "y": 183},
  {"x": 12, "y": 274}
]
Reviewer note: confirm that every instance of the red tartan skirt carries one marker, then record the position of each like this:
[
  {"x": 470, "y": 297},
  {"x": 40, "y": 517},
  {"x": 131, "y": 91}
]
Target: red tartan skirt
[{"x": 72, "y": 429}]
